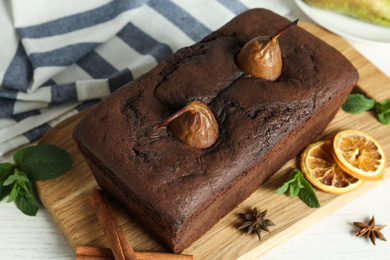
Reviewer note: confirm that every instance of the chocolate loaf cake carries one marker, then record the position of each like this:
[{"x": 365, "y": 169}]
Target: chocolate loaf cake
[{"x": 179, "y": 192}]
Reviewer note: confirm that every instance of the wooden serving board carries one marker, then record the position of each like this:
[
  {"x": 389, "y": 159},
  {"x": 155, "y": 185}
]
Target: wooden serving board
[{"x": 66, "y": 198}]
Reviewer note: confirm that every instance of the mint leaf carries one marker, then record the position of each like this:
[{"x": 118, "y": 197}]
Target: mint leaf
[
  {"x": 383, "y": 107},
  {"x": 294, "y": 189},
  {"x": 17, "y": 176},
  {"x": 386, "y": 104},
  {"x": 27, "y": 205},
  {"x": 43, "y": 162},
  {"x": 357, "y": 103},
  {"x": 290, "y": 182},
  {"x": 307, "y": 194},
  {"x": 298, "y": 185},
  {"x": 23, "y": 182},
  {"x": 22, "y": 193},
  {"x": 5, "y": 170},
  {"x": 14, "y": 193},
  {"x": 4, "y": 190},
  {"x": 282, "y": 189},
  {"x": 384, "y": 118},
  {"x": 309, "y": 197},
  {"x": 26, "y": 202},
  {"x": 20, "y": 184},
  {"x": 383, "y": 111}
]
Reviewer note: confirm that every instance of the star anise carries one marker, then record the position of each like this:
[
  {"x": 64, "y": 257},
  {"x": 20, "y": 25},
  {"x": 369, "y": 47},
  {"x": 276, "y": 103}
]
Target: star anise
[
  {"x": 256, "y": 222},
  {"x": 370, "y": 230}
]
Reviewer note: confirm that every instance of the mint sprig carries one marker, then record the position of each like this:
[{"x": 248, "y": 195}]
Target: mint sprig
[
  {"x": 43, "y": 162},
  {"x": 298, "y": 185},
  {"x": 358, "y": 103},
  {"x": 383, "y": 111},
  {"x": 40, "y": 162}
]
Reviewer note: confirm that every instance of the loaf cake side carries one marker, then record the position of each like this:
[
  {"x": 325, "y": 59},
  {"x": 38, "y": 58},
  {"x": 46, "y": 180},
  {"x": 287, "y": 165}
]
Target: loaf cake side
[{"x": 178, "y": 192}]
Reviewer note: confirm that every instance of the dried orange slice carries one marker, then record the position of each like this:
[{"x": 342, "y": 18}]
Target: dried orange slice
[
  {"x": 322, "y": 171},
  {"x": 359, "y": 154}
]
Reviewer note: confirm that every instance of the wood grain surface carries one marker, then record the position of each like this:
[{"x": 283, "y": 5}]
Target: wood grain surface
[{"x": 66, "y": 198}]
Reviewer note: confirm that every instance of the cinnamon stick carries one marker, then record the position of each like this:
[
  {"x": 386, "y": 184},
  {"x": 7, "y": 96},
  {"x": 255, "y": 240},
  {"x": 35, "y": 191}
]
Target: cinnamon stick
[
  {"x": 95, "y": 253},
  {"x": 84, "y": 257},
  {"x": 113, "y": 231},
  {"x": 89, "y": 251}
]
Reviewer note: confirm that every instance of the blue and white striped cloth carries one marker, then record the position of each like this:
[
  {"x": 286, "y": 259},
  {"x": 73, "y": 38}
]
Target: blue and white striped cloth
[{"x": 60, "y": 57}]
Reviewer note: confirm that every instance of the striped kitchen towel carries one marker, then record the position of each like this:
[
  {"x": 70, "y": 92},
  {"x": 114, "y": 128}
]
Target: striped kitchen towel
[{"x": 60, "y": 57}]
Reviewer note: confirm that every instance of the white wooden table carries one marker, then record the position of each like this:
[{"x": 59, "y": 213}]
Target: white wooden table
[{"x": 333, "y": 237}]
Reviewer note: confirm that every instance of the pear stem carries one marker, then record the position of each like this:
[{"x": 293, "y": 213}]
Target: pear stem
[
  {"x": 174, "y": 116},
  {"x": 285, "y": 28}
]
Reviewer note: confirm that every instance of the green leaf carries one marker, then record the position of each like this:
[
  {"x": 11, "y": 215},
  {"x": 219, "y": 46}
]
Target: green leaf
[
  {"x": 307, "y": 193},
  {"x": 386, "y": 104},
  {"x": 384, "y": 118},
  {"x": 5, "y": 170},
  {"x": 18, "y": 176},
  {"x": 309, "y": 197},
  {"x": 282, "y": 189},
  {"x": 383, "y": 111},
  {"x": 300, "y": 186},
  {"x": 295, "y": 186},
  {"x": 4, "y": 190},
  {"x": 295, "y": 174},
  {"x": 383, "y": 107},
  {"x": 26, "y": 202},
  {"x": 290, "y": 183},
  {"x": 24, "y": 187},
  {"x": 21, "y": 185},
  {"x": 357, "y": 103},
  {"x": 43, "y": 162},
  {"x": 294, "y": 189},
  {"x": 14, "y": 193},
  {"x": 28, "y": 205}
]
